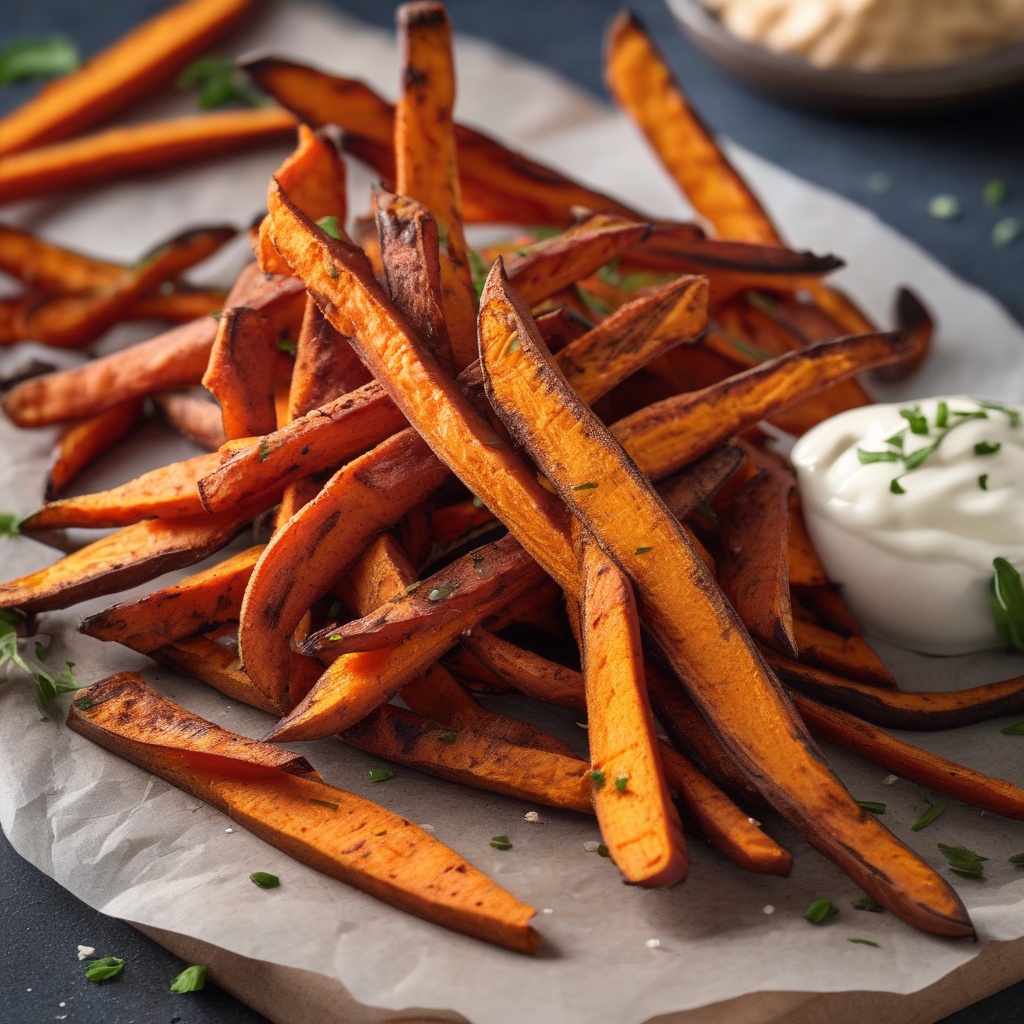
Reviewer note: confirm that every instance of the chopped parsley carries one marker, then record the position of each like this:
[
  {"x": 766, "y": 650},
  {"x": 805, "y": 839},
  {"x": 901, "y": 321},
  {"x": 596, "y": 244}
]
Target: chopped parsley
[
  {"x": 934, "y": 810},
  {"x": 963, "y": 862},
  {"x": 46, "y": 685},
  {"x": 45, "y": 57},
  {"x": 501, "y": 843},
  {"x": 588, "y": 486},
  {"x": 864, "y": 942},
  {"x": 440, "y": 593},
  {"x": 219, "y": 83},
  {"x": 622, "y": 783},
  {"x": 380, "y": 774},
  {"x": 264, "y": 451},
  {"x": 597, "y": 778},
  {"x": 192, "y": 979},
  {"x": 868, "y": 904},
  {"x": 642, "y": 551},
  {"x": 820, "y": 911},
  {"x": 1017, "y": 858},
  {"x": 265, "y": 880},
  {"x": 103, "y": 969},
  {"x": 871, "y": 805},
  {"x": 448, "y": 737},
  {"x": 329, "y": 225}
]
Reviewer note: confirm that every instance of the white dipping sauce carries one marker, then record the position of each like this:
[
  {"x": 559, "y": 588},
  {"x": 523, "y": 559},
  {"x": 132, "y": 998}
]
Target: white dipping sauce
[{"x": 915, "y": 567}]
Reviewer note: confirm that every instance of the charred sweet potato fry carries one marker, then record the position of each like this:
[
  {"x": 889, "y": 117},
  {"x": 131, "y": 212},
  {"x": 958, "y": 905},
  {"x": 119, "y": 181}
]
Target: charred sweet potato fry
[
  {"x": 119, "y": 152},
  {"x": 137, "y": 62},
  {"x": 728, "y": 680},
  {"x": 192, "y": 416},
  {"x": 847, "y": 655},
  {"x": 240, "y": 373},
  {"x": 638, "y": 822},
  {"x": 83, "y": 442},
  {"x": 343, "y": 835}
]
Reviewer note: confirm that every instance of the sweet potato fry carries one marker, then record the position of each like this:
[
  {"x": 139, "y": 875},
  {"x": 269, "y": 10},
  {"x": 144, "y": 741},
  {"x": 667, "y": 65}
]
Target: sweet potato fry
[
  {"x": 638, "y": 822},
  {"x": 898, "y": 709},
  {"x": 643, "y": 85},
  {"x": 119, "y": 152},
  {"x": 698, "y": 632},
  {"x": 426, "y": 164},
  {"x": 172, "y": 359},
  {"x": 83, "y": 442},
  {"x": 46, "y": 267},
  {"x": 932, "y": 771},
  {"x": 911, "y": 316},
  {"x": 177, "y": 306},
  {"x": 140, "y": 60},
  {"x": 804, "y": 565},
  {"x": 132, "y": 555},
  {"x": 240, "y": 374},
  {"x": 196, "y": 604},
  {"x": 338, "y": 833},
  {"x": 482, "y": 760},
  {"x": 498, "y": 185},
  {"x": 192, "y": 416},
  {"x": 849, "y": 656}
]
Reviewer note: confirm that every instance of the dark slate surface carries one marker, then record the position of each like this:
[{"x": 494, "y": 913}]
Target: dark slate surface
[{"x": 957, "y": 153}]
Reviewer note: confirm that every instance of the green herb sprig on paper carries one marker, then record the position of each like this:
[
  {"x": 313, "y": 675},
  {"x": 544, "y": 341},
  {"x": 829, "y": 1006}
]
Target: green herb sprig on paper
[
  {"x": 946, "y": 421},
  {"x": 963, "y": 862},
  {"x": 103, "y": 969},
  {"x": 219, "y": 83},
  {"x": 192, "y": 979},
  {"x": 46, "y": 686}
]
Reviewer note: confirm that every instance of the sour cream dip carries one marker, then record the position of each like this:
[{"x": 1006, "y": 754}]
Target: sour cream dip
[{"x": 908, "y": 504}]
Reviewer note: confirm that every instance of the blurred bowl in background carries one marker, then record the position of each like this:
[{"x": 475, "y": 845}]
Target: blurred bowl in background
[{"x": 844, "y": 90}]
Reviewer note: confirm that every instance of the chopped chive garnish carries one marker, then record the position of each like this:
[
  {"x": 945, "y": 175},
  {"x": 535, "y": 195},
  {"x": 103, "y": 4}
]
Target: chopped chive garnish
[
  {"x": 944, "y": 207},
  {"x": 987, "y": 447},
  {"x": 597, "y": 778},
  {"x": 46, "y": 57},
  {"x": 642, "y": 551},
  {"x": 622, "y": 783},
  {"x": 864, "y": 942},
  {"x": 448, "y": 737},
  {"x": 872, "y": 806},
  {"x": 1017, "y": 729},
  {"x": 963, "y": 862},
  {"x": 588, "y": 486},
  {"x": 820, "y": 911},
  {"x": 983, "y": 481},
  {"x": 500, "y": 843},
  {"x": 929, "y": 816},
  {"x": 1017, "y": 858},
  {"x": 265, "y": 880},
  {"x": 414, "y": 586}
]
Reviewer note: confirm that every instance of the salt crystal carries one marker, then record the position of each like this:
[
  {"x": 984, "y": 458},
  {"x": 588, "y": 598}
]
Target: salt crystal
[
  {"x": 427, "y": 828},
  {"x": 531, "y": 816},
  {"x": 85, "y": 951},
  {"x": 768, "y": 909},
  {"x": 591, "y": 847},
  {"x": 890, "y": 779},
  {"x": 652, "y": 943},
  {"x": 229, "y": 830},
  {"x": 547, "y": 910}
]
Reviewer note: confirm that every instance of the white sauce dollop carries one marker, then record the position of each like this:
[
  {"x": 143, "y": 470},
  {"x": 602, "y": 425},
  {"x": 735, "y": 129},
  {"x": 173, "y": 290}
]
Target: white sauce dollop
[{"x": 915, "y": 566}]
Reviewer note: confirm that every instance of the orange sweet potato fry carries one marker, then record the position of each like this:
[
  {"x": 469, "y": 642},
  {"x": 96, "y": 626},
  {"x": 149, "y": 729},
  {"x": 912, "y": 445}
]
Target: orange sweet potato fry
[
  {"x": 240, "y": 374},
  {"x": 46, "y": 267},
  {"x": 192, "y": 416},
  {"x": 83, "y": 442},
  {"x": 638, "y": 822},
  {"x": 119, "y": 152},
  {"x": 196, "y": 604},
  {"x": 140, "y": 60},
  {"x": 846, "y": 655},
  {"x": 698, "y": 632},
  {"x": 345, "y": 836}
]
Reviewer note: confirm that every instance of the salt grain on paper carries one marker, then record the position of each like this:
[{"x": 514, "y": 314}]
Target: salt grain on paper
[
  {"x": 427, "y": 828},
  {"x": 84, "y": 951},
  {"x": 229, "y": 830},
  {"x": 591, "y": 847},
  {"x": 531, "y": 816},
  {"x": 768, "y": 909},
  {"x": 652, "y": 943},
  {"x": 890, "y": 779},
  {"x": 547, "y": 910}
]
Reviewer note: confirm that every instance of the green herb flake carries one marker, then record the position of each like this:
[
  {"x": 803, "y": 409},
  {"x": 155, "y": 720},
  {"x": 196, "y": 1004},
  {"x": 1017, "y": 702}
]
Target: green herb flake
[
  {"x": 942, "y": 415},
  {"x": 287, "y": 346},
  {"x": 820, "y": 911},
  {"x": 264, "y": 452},
  {"x": 45, "y": 57},
  {"x": 987, "y": 447},
  {"x": 866, "y": 457},
  {"x": 478, "y": 270},
  {"x": 500, "y": 843},
  {"x": 963, "y": 862},
  {"x": 440, "y": 593},
  {"x": 1017, "y": 858},
  {"x": 192, "y": 979},
  {"x": 103, "y": 969},
  {"x": 896, "y": 487},
  {"x": 380, "y": 774},
  {"x": 597, "y": 778},
  {"x": 602, "y": 850},
  {"x": 265, "y": 880},
  {"x": 622, "y": 783},
  {"x": 448, "y": 737},
  {"x": 995, "y": 192},
  {"x": 478, "y": 503},
  {"x": 332, "y": 271},
  {"x": 872, "y": 806},
  {"x": 10, "y": 524},
  {"x": 944, "y": 207},
  {"x": 917, "y": 421},
  {"x": 642, "y": 551},
  {"x": 329, "y": 804},
  {"x": 335, "y": 637},
  {"x": 414, "y": 586},
  {"x": 934, "y": 810},
  {"x": 219, "y": 84},
  {"x": 1017, "y": 729},
  {"x": 588, "y": 486},
  {"x": 864, "y": 942},
  {"x": 868, "y": 904},
  {"x": 593, "y": 303},
  {"x": 1006, "y": 231},
  {"x": 1006, "y": 602},
  {"x": 983, "y": 481},
  {"x": 329, "y": 226}
]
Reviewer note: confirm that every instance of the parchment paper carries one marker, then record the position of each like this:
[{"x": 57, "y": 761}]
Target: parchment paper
[{"x": 134, "y": 847}]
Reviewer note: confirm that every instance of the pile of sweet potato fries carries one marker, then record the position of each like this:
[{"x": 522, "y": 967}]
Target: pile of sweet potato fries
[{"x": 470, "y": 463}]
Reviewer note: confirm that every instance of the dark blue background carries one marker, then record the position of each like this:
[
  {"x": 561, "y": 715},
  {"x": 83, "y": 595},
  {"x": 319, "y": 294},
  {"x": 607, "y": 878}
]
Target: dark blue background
[{"x": 955, "y": 153}]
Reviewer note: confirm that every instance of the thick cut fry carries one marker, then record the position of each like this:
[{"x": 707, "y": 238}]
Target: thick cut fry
[
  {"x": 753, "y": 561},
  {"x": 698, "y": 632},
  {"x": 638, "y": 822},
  {"x": 426, "y": 164},
  {"x": 643, "y": 85},
  {"x": 240, "y": 374},
  {"x": 192, "y": 416},
  {"x": 83, "y": 442},
  {"x": 847, "y": 655},
  {"x": 914, "y": 317},
  {"x": 119, "y": 152},
  {"x": 898, "y": 709},
  {"x": 175, "y": 358},
  {"x": 140, "y": 60},
  {"x": 197, "y": 604},
  {"x": 498, "y": 185},
  {"x": 338, "y": 833},
  {"x": 132, "y": 555},
  {"x": 803, "y": 564},
  {"x": 314, "y": 176},
  {"x": 482, "y": 760},
  {"x": 909, "y": 762}
]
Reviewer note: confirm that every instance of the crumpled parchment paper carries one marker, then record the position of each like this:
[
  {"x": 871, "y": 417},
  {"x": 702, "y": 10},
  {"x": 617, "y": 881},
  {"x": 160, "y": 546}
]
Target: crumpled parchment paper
[{"x": 132, "y": 846}]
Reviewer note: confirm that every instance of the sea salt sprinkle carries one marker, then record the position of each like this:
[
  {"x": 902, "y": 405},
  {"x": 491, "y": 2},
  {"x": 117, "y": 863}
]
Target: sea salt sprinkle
[
  {"x": 85, "y": 951},
  {"x": 767, "y": 909},
  {"x": 652, "y": 943},
  {"x": 531, "y": 816}
]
